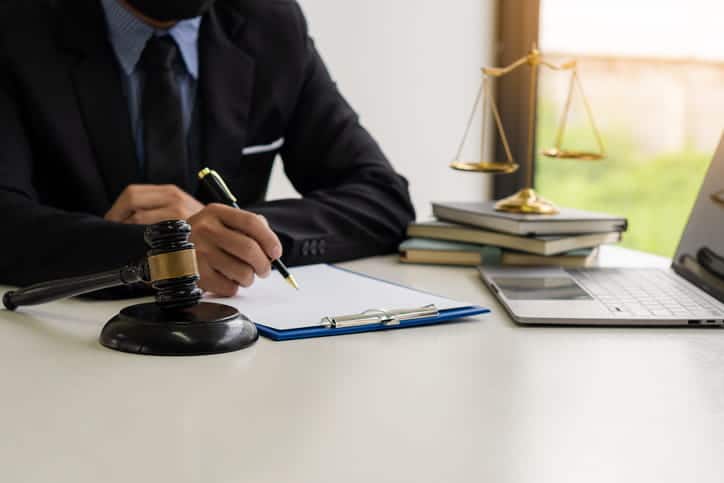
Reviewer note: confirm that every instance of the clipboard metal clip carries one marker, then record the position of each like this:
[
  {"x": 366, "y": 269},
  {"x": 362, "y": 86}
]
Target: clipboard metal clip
[{"x": 380, "y": 317}]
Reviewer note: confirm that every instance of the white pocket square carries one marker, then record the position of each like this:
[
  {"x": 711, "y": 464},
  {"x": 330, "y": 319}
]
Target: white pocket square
[{"x": 263, "y": 148}]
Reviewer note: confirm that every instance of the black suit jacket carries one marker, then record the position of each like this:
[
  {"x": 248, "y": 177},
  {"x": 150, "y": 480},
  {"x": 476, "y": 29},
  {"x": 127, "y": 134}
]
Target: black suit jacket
[{"x": 67, "y": 152}]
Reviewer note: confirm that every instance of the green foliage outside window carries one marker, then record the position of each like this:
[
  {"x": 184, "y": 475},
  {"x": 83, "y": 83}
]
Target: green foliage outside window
[{"x": 655, "y": 192}]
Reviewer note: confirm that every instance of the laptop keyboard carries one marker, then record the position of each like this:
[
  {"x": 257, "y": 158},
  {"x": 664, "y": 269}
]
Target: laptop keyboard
[{"x": 646, "y": 293}]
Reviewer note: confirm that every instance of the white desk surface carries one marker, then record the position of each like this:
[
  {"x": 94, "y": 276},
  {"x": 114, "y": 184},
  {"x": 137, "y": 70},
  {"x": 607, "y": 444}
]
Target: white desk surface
[{"x": 483, "y": 400}]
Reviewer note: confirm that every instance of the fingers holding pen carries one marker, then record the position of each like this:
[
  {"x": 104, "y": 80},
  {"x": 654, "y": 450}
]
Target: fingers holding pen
[
  {"x": 254, "y": 226},
  {"x": 228, "y": 246},
  {"x": 215, "y": 282}
]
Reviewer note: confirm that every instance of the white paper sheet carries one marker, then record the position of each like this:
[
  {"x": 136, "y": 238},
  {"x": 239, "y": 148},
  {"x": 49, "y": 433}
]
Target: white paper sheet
[{"x": 325, "y": 291}]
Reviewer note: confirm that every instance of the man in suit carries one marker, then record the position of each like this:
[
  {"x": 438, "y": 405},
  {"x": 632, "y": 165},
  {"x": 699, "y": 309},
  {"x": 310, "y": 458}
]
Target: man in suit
[{"x": 109, "y": 107}]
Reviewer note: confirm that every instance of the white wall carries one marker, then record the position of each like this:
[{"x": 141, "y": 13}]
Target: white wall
[{"x": 411, "y": 70}]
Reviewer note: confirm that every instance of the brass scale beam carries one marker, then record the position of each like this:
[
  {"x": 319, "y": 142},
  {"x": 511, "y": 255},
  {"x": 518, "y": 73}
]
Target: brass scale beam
[{"x": 526, "y": 200}]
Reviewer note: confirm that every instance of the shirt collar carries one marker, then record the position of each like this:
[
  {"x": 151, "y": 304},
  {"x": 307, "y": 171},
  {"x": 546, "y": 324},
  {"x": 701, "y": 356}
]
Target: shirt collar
[{"x": 129, "y": 35}]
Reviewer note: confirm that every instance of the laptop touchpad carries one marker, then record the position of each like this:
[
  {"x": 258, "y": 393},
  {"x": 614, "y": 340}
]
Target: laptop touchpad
[{"x": 541, "y": 288}]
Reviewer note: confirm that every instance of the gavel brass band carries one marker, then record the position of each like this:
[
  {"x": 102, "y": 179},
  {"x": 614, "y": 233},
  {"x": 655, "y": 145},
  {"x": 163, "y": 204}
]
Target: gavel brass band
[{"x": 167, "y": 266}]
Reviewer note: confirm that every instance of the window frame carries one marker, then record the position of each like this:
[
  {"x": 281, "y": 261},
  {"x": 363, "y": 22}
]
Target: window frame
[{"x": 518, "y": 26}]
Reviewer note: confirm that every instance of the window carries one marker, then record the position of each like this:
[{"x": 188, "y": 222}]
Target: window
[{"x": 654, "y": 76}]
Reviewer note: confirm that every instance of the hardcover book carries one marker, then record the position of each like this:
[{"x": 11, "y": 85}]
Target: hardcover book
[
  {"x": 420, "y": 250},
  {"x": 439, "y": 252},
  {"x": 568, "y": 221},
  {"x": 584, "y": 258},
  {"x": 540, "y": 244}
]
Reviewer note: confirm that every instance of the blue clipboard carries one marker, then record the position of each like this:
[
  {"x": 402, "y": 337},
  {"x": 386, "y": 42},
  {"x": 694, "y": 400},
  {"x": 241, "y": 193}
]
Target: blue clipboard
[
  {"x": 310, "y": 332},
  {"x": 368, "y": 323}
]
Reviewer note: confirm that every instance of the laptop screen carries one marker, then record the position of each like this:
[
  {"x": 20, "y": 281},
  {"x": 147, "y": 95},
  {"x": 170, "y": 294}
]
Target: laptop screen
[{"x": 700, "y": 256}]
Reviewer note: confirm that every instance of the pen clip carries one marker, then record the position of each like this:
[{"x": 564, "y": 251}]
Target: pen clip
[{"x": 379, "y": 317}]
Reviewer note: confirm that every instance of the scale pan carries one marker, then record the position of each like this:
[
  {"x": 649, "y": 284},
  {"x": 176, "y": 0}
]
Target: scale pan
[
  {"x": 579, "y": 155},
  {"x": 485, "y": 167}
]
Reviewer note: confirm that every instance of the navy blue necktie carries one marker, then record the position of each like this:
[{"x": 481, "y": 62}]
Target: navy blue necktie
[{"x": 166, "y": 157}]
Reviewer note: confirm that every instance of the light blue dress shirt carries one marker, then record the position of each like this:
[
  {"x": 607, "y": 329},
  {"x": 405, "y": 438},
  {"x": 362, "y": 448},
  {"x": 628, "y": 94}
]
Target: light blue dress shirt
[{"x": 128, "y": 36}]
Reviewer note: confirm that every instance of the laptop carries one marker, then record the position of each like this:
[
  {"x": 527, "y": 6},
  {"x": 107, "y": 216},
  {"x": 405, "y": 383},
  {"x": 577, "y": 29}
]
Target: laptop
[{"x": 689, "y": 293}]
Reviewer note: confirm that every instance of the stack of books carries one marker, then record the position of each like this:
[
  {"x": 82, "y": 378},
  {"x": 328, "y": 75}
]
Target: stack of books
[{"x": 476, "y": 234}]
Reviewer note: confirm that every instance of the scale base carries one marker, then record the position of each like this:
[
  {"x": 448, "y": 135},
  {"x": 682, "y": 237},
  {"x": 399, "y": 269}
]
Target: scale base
[
  {"x": 527, "y": 201},
  {"x": 206, "y": 328}
]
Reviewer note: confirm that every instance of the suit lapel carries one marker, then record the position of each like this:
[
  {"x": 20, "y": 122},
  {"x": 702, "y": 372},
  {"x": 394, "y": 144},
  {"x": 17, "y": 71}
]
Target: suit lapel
[
  {"x": 225, "y": 88},
  {"x": 226, "y": 81},
  {"x": 103, "y": 105}
]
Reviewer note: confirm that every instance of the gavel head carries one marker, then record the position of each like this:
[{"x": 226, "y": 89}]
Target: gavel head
[{"x": 172, "y": 266}]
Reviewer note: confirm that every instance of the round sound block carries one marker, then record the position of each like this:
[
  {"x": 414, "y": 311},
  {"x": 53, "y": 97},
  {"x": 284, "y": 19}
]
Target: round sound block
[{"x": 206, "y": 328}]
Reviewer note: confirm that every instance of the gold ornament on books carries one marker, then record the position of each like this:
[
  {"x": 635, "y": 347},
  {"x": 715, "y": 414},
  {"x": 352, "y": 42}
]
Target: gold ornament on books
[{"x": 526, "y": 200}]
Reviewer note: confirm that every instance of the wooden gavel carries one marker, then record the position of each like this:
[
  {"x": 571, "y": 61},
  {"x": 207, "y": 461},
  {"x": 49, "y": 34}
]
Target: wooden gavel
[
  {"x": 169, "y": 267},
  {"x": 178, "y": 323}
]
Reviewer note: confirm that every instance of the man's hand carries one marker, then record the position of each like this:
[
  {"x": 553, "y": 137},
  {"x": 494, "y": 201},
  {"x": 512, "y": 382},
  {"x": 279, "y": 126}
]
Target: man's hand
[
  {"x": 148, "y": 204},
  {"x": 232, "y": 246}
]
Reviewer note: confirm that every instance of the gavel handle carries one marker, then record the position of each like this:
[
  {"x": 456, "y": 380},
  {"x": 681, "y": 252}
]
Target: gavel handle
[{"x": 70, "y": 287}]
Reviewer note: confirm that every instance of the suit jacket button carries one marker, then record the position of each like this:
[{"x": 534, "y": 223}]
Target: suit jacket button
[
  {"x": 313, "y": 248},
  {"x": 305, "y": 249},
  {"x": 322, "y": 247}
]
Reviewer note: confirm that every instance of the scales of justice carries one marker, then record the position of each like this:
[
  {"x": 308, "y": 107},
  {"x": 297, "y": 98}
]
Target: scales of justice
[{"x": 526, "y": 200}]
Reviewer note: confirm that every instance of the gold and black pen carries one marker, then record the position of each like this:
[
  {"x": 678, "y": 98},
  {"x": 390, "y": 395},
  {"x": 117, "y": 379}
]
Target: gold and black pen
[{"x": 222, "y": 194}]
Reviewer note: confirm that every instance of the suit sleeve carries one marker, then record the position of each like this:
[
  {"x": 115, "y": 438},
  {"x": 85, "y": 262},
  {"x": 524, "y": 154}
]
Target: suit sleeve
[
  {"x": 354, "y": 204},
  {"x": 38, "y": 242}
]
